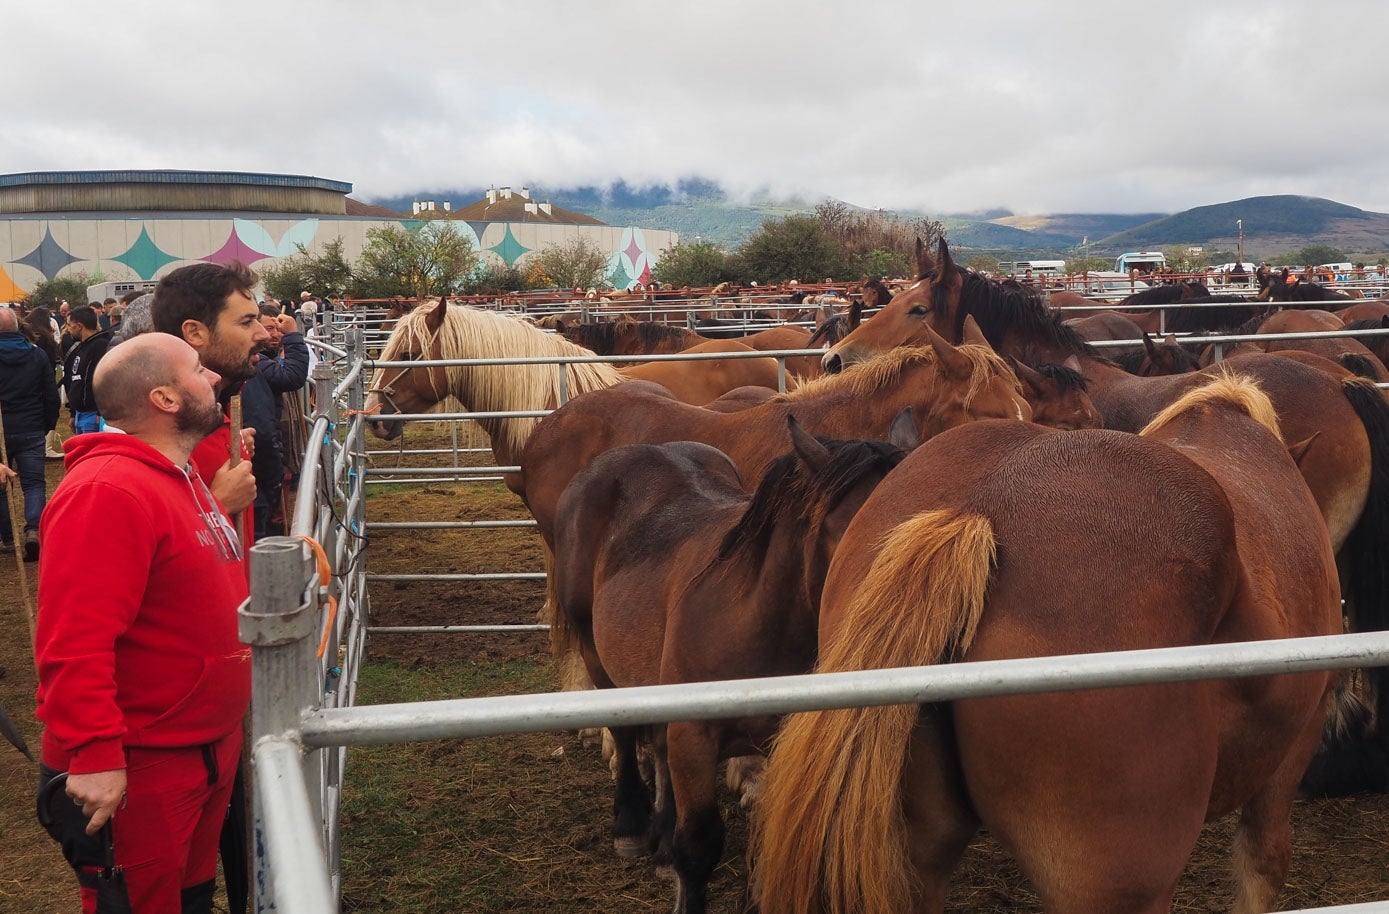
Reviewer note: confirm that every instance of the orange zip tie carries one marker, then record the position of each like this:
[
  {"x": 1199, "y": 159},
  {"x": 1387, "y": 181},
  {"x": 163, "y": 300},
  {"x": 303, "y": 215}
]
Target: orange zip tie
[{"x": 325, "y": 576}]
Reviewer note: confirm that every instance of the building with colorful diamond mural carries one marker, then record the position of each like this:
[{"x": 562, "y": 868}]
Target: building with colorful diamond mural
[{"x": 138, "y": 225}]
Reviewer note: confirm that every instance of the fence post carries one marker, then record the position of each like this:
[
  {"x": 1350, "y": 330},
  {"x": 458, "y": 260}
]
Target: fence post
[{"x": 279, "y": 624}]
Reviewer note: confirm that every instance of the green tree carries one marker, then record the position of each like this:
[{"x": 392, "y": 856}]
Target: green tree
[
  {"x": 693, "y": 263},
  {"x": 1316, "y": 254},
  {"x": 327, "y": 272},
  {"x": 576, "y": 264},
  {"x": 50, "y": 293},
  {"x": 493, "y": 279},
  {"x": 435, "y": 260},
  {"x": 876, "y": 242},
  {"x": 793, "y": 247},
  {"x": 1088, "y": 265}
]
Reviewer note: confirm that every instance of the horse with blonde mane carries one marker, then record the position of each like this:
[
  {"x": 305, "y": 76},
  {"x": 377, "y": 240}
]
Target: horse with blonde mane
[
  {"x": 1100, "y": 795},
  {"x": 450, "y": 332}
]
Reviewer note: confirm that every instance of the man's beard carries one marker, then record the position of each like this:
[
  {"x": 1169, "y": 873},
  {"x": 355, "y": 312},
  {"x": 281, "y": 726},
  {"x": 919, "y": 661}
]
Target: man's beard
[
  {"x": 272, "y": 351},
  {"x": 232, "y": 366},
  {"x": 200, "y": 419}
]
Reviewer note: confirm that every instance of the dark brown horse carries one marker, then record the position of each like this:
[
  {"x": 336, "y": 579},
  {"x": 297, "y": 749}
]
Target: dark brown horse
[
  {"x": 1346, "y": 421},
  {"x": 670, "y": 573},
  {"x": 1100, "y": 795},
  {"x": 1356, "y": 356},
  {"x": 944, "y": 386}
]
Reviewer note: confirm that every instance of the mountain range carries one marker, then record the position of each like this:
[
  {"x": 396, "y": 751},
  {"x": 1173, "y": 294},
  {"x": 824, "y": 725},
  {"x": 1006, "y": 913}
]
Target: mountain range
[{"x": 700, "y": 209}]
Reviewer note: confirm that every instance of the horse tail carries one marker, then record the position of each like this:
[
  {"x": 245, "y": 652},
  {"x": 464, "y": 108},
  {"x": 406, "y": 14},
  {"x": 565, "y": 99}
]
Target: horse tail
[
  {"x": 1354, "y": 755},
  {"x": 1358, "y": 365},
  {"x": 830, "y": 835},
  {"x": 564, "y": 638}
]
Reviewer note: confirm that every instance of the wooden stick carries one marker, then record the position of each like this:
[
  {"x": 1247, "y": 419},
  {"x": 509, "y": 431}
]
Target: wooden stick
[
  {"x": 240, "y": 518},
  {"x": 14, "y": 497}
]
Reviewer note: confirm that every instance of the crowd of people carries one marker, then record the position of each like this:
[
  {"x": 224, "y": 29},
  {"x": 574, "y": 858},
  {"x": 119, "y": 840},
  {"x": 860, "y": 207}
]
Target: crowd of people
[{"x": 143, "y": 681}]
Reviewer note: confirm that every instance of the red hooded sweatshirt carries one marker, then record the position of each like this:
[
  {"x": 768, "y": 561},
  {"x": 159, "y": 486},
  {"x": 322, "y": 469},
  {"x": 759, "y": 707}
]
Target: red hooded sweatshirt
[{"x": 139, "y": 584}]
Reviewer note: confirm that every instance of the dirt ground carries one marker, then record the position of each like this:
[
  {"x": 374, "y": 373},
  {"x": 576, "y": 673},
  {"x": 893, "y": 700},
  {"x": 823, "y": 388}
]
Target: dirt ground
[{"x": 538, "y": 814}]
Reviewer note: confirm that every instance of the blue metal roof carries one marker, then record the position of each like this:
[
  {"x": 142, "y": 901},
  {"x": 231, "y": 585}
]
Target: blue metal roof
[{"x": 173, "y": 177}]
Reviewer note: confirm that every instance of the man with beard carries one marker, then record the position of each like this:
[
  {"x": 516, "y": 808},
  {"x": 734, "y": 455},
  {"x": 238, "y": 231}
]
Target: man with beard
[
  {"x": 211, "y": 307},
  {"x": 143, "y": 681}
]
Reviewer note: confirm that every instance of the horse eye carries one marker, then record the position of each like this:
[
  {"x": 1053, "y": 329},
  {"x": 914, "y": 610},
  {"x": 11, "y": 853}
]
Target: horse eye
[{"x": 919, "y": 310}]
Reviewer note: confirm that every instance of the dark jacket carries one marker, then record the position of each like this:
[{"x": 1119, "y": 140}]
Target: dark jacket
[
  {"x": 78, "y": 368},
  {"x": 28, "y": 393},
  {"x": 260, "y": 398}
]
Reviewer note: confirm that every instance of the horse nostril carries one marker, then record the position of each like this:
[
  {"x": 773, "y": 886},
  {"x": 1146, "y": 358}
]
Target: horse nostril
[{"x": 832, "y": 364}]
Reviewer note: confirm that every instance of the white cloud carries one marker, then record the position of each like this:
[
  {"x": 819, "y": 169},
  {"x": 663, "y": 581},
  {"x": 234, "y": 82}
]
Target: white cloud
[{"x": 1066, "y": 107}]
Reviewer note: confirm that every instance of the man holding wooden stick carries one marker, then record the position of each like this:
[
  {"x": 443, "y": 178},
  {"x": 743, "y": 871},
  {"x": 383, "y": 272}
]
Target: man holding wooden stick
[{"x": 211, "y": 307}]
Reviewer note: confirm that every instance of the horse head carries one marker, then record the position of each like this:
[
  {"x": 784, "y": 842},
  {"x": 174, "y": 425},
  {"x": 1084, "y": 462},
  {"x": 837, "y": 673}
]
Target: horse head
[
  {"x": 408, "y": 389},
  {"x": 932, "y": 304},
  {"x": 1057, "y": 395}
]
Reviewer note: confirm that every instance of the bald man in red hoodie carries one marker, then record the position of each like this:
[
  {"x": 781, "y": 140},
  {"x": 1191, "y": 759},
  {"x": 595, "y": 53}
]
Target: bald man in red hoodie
[{"x": 143, "y": 681}]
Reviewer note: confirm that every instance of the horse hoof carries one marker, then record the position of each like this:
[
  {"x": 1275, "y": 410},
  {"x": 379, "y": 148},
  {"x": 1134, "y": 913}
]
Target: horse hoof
[
  {"x": 632, "y": 847},
  {"x": 667, "y": 874},
  {"x": 591, "y": 738}
]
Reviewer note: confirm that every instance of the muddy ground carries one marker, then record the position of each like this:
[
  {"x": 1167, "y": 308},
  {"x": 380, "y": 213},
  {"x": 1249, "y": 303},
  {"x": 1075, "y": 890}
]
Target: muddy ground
[{"x": 527, "y": 818}]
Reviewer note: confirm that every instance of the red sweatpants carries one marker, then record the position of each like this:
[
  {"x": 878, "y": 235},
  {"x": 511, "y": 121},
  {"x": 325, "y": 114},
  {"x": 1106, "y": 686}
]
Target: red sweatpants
[{"x": 165, "y": 834}]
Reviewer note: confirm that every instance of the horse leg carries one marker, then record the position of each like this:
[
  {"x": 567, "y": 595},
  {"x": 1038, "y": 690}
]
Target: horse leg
[
  {"x": 1263, "y": 848},
  {"x": 744, "y": 777},
  {"x": 939, "y": 819},
  {"x": 663, "y": 821},
  {"x": 631, "y": 799},
  {"x": 566, "y": 645},
  {"x": 693, "y": 756}
]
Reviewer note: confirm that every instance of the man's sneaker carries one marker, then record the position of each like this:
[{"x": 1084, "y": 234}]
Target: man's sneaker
[
  {"x": 31, "y": 546},
  {"x": 51, "y": 454}
]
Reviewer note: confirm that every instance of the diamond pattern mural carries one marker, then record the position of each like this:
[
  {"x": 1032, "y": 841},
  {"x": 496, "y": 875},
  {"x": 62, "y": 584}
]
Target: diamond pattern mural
[
  {"x": 509, "y": 249},
  {"x": 145, "y": 257},
  {"x": 49, "y": 257}
]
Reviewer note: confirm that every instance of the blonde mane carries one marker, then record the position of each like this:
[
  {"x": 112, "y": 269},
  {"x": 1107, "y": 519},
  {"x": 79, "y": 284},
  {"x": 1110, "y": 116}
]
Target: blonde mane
[
  {"x": 863, "y": 379},
  {"x": 467, "y": 333},
  {"x": 1236, "y": 391}
]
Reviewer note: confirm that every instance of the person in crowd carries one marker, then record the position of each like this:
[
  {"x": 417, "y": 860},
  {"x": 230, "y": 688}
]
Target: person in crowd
[
  {"x": 282, "y": 366},
  {"x": 211, "y": 307},
  {"x": 308, "y": 309},
  {"x": 135, "y": 319},
  {"x": 143, "y": 681},
  {"x": 29, "y": 410},
  {"x": 104, "y": 312},
  {"x": 78, "y": 365}
]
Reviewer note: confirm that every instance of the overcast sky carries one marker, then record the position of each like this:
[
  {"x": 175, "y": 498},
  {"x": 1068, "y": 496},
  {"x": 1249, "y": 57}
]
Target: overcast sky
[{"x": 1081, "y": 106}]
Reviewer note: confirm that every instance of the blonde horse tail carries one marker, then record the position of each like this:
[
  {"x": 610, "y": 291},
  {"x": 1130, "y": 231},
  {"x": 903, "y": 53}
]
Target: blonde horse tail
[
  {"x": 830, "y": 837},
  {"x": 564, "y": 640}
]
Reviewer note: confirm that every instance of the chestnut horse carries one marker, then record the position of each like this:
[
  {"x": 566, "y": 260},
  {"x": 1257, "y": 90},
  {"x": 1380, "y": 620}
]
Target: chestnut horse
[
  {"x": 1353, "y": 354},
  {"x": 944, "y": 386},
  {"x": 450, "y": 332},
  {"x": 1344, "y": 420},
  {"x": 628, "y": 337},
  {"x": 1100, "y": 795},
  {"x": 670, "y": 573}
]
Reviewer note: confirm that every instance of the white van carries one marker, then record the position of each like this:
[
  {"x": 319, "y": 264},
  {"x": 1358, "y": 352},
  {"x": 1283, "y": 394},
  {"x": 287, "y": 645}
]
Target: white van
[
  {"x": 1142, "y": 261},
  {"x": 1020, "y": 268}
]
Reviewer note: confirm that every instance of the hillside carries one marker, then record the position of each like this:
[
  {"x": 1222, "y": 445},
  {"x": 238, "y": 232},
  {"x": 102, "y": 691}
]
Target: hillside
[{"x": 698, "y": 208}]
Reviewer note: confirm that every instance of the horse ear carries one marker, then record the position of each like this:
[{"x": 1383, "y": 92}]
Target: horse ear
[
  {"x": 435, "y": 319},
  {"x": 972, "y": 333},
  {"x": 945, "y": 262},
  {"x": 953, "y": 363},
  {"x": 1149, "y": 345},
  {"x": 855, "y": 314},
  {"x": 1027, "y": 374},
  {"x": 902, "y": 432},
  {"x": 1170, "y": 339},
  {"x": 1072, "y": 363},
  {"x": 924, "y": 262},
  {"x": 807, "y": 446},
  {"x": 1299, "y": 450}
]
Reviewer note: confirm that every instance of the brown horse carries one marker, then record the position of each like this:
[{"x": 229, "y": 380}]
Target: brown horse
[
  {"x": 1057, "y": 395},
  {"x": 449, "y": 332},
  {"x": 669, "y": 573},
  {"x": 1100, "y": 795},
  {"x": 944, "y": 386},
  {"x": 1353, "y": 354},
  {"x": 1346, "y": 421},
  {"x": 627, "y": 337}
]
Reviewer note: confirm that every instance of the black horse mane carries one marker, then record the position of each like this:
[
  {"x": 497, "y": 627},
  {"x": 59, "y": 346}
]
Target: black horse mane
[
  {"x": 1065, "y": 378},
  {"x": 790, "y": 491},
  {"x": 1164, "y": 294},
  {"x": 998, "y": 307}
]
